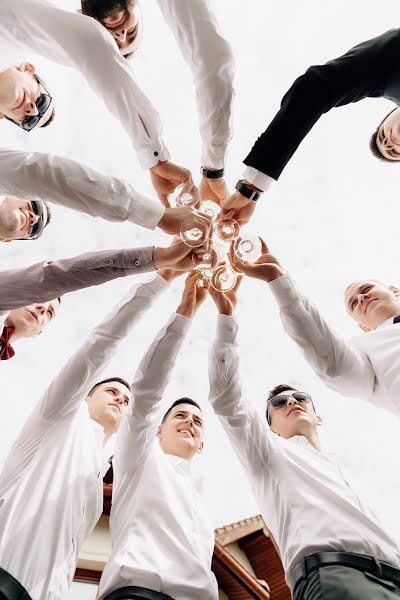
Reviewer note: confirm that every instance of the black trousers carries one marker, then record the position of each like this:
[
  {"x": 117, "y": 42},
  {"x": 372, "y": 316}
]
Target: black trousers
[
  {"x": 10, "y": 588},
  {"x": 341, "y": 582},
  {"x": 136, "y": 593}
]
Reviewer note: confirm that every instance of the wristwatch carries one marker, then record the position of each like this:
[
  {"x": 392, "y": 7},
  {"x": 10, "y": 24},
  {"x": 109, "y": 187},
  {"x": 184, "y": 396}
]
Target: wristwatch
[
  {"x": 211, "y": 174},
  {"x": 247, "y": 191}
]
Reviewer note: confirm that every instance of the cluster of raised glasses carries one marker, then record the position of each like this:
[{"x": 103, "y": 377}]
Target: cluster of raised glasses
[{"x": 210, "y": 256}]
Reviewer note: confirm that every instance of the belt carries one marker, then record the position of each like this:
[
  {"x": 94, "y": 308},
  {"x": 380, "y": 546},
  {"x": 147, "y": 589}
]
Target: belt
[
  {"x": 361, "y": 562},
  {"x": 11, "y": 588},
  {"x": 135, "y": 593}
]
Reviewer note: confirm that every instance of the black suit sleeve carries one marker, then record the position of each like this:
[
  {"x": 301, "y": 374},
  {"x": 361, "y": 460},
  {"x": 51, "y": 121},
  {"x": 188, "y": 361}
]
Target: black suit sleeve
[{"x": 362, "y": 72}]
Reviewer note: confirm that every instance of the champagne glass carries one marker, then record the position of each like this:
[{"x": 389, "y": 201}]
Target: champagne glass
[
  {"x": 186, "y": 194},
  {"x": 210, "y": 208},
  {"x": 194, "y": 232},
  {"x": 223, "y": 278},
  {"x": 227, "y": 230},
  {"x": 248, "y": 247},
  {"x": 206, "y": 257}
]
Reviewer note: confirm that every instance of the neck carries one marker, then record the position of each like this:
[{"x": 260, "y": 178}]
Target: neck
[
  {"x": 107, "y": 435},
  {"x": 15, "y": 336},
  {"x": 394, "y": 312},
  {"x": 311, "y": 436}
]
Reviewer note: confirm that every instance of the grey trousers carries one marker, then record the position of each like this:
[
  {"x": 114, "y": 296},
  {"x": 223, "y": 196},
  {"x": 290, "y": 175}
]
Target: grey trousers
[{"x": 337, "y": 582}]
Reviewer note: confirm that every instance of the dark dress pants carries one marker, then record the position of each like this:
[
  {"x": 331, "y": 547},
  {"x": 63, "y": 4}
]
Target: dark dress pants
[
  {"x": 136, "y": 593},
  {"x": 10, "y": 588},
  {"x": 337, "y": 582}
]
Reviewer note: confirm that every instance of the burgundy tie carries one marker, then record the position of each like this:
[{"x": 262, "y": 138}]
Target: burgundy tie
[{"x": 6, "y": 350}]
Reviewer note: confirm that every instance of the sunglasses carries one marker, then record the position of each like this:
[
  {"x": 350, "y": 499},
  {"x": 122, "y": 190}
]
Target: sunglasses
[
  {"x": 42, "y": 104},
  {"x": 36, "y": 229},
  {"x": 281, "y": 400}
]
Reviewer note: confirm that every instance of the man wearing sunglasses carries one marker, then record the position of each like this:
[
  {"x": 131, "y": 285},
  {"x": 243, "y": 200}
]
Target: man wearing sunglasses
[
  {"x": 81, "y": 43},
  {"x": 24, "y": 98},
  {"x": 50, "y": 178},
  {"x": 28, "y": 296},
  {"x": 365, "y": 367},
  {"x": 331, "y": 544}
]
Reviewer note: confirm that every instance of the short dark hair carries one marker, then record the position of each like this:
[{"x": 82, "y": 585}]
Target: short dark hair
[
  {"x": 109, "y": 380},
  {"x": 278, "y": 389},
  {"x": 373, "y": 142},
  {"x": 101, "y": 9},
  {"x": 48, "y": 212},
  {"x": 183, "y": 400}
]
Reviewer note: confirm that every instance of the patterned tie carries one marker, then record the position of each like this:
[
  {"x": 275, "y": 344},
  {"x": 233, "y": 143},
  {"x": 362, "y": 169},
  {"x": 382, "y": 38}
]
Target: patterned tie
[
  {"x": 6, "y": 350},
  {"x": 396, "y": 319}
]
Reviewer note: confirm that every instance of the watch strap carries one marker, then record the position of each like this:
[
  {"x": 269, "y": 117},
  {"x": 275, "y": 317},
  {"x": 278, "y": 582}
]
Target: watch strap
[
  {"x": 211, "y": 173},
  {"x": 247, "y": 191}
]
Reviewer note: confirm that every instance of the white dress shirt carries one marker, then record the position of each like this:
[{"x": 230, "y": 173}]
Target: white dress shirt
[
  {"x": 302, "y": 494},
  {"x": 39, "y": 176},
  {"x": 366, "y": 367},
  {"x": 211, "y": 62},
  {"x": 51, "y": 488},
  {"x": 161, "y": 536},
  {"x": 257, "y": 178},
  {"x": 80, "y": 42}
]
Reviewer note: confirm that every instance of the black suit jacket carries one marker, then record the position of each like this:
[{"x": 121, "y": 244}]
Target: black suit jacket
[{"x": 369, "y": 70}]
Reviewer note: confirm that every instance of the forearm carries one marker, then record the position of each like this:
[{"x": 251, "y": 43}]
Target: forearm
[
  {"x": 210, "y": 58},
  {"x": 74, "y": 185},
  {"x": 85, "y": 367},
  {"x": 46, "y": 281}
]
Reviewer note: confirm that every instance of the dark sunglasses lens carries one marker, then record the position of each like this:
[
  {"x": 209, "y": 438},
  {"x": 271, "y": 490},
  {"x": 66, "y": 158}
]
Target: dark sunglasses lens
[
  {"x": 43, "y": 103},
  {"x": 301, "y": 397},
  {"x": 30, "y": 122},
  {"x": 37, "y": 228},
  {"x": 279, "y": 401}
]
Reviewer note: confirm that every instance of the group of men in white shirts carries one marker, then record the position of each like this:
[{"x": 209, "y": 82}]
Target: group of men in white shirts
[{"x": 331, "y": 544}]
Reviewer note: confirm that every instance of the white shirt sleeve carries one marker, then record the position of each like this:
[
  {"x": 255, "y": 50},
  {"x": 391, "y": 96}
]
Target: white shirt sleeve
[
  {"x": 84, "y": 369},
  {"x": 248, "y": 434},
  {"x": 342, "y": 368},
  {"x": 257, "y": 178},
  {"x": 137, "y": 430},
  {"x": 211, "y": 61},
  {"x": 80, "y": 42},
  {"x": 35, "y": 175}
]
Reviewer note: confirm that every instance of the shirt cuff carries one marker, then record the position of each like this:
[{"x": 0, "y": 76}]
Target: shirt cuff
[
  {"x": 149, "y": 157},
  {"x": 257, "y": 178},
  {"x": 284, "y": 291},
  {"x": 179, "y": 323},
  {"x": 158, "y": 284},
  {"x": 138, "y": 259},
  {"x": 214, "y": 157},
  {"x": 227, "y": 329},
  {"x": 147, "y": 213}
]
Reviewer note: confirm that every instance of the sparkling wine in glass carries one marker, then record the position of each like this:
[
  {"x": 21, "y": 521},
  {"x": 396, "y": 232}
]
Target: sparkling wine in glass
[
  {"x": 223, "y": 278},
  {"x": 227, "y": 230},
  {"x": 210, "y": 208},
  {"x": 206, "y": 257},
  {"x": 194, "y": 232},
  {"x": 186, "y": 194},
  {"x": 248, "y": 247}
]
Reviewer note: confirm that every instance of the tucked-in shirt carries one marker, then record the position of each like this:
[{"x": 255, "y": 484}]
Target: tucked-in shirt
[
  {"x": 39, "y": 176},
  {"x": 211, "y": 62},
  {"x": 80, "y": 42},
  {"x": 51, "y": 488},
  {"x": 48, "y": 280},
  {"x": 365, "y": 367},
  {"x": 303, "y": 495},
  {"x": 161, "y": 536}
]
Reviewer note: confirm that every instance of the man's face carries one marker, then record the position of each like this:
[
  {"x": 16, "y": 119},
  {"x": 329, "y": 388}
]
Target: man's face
[
  {"x": 31, "y": 320},
  {"x": 182, "y": 432},
  {"x": 107, "y": 404},
  {"x": 17, "y": 218},
  {"x": 388, "y": 140},
  {"x": 370, "y": 303},
  {"x": 19, "y": 93},
  {"x": 125, "y": 27},
  {"x": 294, "y": 418}
]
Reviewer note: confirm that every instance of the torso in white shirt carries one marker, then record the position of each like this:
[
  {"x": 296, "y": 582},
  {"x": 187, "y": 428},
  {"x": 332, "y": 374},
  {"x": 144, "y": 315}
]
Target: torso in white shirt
[
  {"x": 309, "y": 506},
  {"x": 162, "y": 538},
  {"x": 382, "y": 349},
  {"x": 51, "y": 496}
]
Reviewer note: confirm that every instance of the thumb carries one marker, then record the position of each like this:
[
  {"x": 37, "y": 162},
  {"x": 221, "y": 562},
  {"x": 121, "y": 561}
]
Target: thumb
[
  {"x": 264, "y": 246},
  {"x": 164, "y": 199}
]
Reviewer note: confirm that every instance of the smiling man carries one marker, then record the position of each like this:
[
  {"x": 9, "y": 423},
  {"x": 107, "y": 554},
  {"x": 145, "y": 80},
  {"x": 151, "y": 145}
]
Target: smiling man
[
  {"x": 365, "y": 367},
  {"x": 22, "y": 219},
  {"x": 162, "y": 540},
  {"x": 51, "y": 487},
  {"x": 331, "y": 544},
  {"x": 24, "y": 98}
]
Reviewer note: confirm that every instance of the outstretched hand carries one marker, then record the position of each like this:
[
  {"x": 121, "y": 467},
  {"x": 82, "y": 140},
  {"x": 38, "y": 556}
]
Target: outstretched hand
[
  {"x": 194, "y": 293},
  {"x": 213, "y": 189},
  {"x": 226, "y": 301},
  {"x": 166, "y": 176},
  {"x": 267, "y": 267},
  {"x": 173, "y": 218},
  {"x": 238, "y": 207},
  {"x": 177, "y": 257}
]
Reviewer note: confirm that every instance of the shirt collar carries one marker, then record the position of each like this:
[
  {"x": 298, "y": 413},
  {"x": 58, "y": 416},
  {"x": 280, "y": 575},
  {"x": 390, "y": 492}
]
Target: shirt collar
[{"x": 386, "y": 323}]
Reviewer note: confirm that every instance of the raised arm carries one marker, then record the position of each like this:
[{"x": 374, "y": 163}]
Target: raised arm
[
  {"x": 81, "y": 43},
  {"x": 342, "y": 368},
  {"x": 35, "y": 175},
  {"x": 137, "y": 430},
  {"x": 248, "y": 434}
]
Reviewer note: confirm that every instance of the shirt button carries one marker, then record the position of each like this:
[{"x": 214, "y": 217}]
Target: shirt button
[
  {"x": 156, "y": 153},
  {"x": 223, "y": 360},
  {"x": 137, "y": 263},
  {"x": 111, "y": 261}
]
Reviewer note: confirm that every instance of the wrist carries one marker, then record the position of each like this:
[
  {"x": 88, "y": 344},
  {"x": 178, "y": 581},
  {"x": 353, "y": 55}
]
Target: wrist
[
  {"x": 211, "y": 172},
  {"x": 185, "y": 310},
  {"x": 158, "y": 257},
  {"x": 253, "y": 187},
  {"x": 247, "y": 191}
]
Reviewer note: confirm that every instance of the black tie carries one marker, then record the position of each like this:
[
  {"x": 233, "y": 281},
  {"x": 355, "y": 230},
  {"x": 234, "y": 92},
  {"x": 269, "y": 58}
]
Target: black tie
[{"x": 396, "y": 319}]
